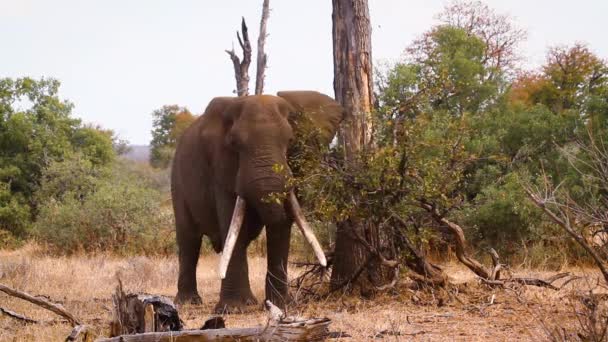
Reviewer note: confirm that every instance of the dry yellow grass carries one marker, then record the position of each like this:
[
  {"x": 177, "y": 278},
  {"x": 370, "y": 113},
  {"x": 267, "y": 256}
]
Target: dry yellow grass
[{"x": 84, "y": 284}]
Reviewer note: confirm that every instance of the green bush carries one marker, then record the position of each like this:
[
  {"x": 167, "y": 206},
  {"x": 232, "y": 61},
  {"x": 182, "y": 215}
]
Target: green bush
[
  {"x": 155, "y": 178},
  {"x": 75, "y": 176},
  {"x": 14, "y": 213},
  {"x": 120, "y": 213}
]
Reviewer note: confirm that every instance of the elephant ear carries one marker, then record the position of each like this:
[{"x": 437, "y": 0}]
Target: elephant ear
[{"x": 314, "y": 114}]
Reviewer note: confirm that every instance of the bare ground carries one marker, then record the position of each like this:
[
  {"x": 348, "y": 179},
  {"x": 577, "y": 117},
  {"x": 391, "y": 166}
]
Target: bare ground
[{"x": 467, "y": 311}]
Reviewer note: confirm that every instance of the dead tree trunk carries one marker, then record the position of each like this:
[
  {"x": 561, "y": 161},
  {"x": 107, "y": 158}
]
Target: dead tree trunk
[
  {"x": 262, "y": 58},
  {"x": 353, "y": 72},
  {"x": 241, "y": 68},
  {"x": 353, "y": 90},
  {"x": 139, "y": 313}
]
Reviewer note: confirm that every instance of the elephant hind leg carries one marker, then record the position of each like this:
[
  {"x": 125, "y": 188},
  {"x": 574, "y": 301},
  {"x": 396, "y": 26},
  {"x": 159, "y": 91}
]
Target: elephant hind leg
[{"x": 189, "y": 238}]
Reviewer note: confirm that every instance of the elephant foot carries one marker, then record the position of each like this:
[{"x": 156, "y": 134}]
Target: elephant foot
[
  {"x": 237, "y": 305},
  {"x": 188, "y": 298}
]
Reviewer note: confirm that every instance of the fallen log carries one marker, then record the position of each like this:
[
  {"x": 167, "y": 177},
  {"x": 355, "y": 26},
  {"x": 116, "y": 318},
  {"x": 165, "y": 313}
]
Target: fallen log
[
  {"x": 56, "y": 308},
  {"x": 148, "y": 318},
  {"x": 315, "y": 329}
]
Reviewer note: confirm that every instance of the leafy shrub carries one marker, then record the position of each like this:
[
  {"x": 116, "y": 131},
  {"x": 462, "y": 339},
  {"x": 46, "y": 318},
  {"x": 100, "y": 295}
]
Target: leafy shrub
[
  {"x": 119, "y": 213},
  {"x": 74, "y": 176},
  {"x": 14, "y": 214},
  {"x": 155, "y": 178},
  {"x": 9, "y": 241}
]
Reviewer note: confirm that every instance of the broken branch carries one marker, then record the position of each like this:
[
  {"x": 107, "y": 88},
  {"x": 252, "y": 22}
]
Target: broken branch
[
  {"x": 17, "y": 316},
  {"x": 81, "y": 333},
  {"x": 548, "y": 283},
  {"x": 56, "y": 308},
  {"x": 458, "y": 234}
]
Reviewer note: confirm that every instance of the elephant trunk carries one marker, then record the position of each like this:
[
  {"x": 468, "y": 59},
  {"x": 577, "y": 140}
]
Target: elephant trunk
[
  {"x": 237, "y": 220},
  {"x": 262, "y": 179}
]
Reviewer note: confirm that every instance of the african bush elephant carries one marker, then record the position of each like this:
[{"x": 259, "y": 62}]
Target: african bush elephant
[{"x": 224, "y": 170}]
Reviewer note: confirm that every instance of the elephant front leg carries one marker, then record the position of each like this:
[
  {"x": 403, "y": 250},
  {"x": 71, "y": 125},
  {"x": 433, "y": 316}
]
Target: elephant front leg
[
  {"x": 189, "y": 249},
  {"x": 235, "y": 293},
  {"x": 189, "y": 238},
  {"x": 277, "y": 286}
]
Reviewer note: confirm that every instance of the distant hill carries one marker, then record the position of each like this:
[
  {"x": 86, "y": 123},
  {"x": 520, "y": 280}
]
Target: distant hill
[{"x": 140, "y": 153}]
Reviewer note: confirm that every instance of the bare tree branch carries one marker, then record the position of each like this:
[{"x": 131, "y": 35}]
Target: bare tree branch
[
  {"x": 458, "y": 234},
  {"x": 561, "y": 217},
  {"x": 241, "y": 68},
  {"x": 420, "y": 265}
]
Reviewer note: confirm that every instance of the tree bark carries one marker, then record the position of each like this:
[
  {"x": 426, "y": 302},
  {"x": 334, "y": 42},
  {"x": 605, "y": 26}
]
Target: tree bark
[
  {"x": 262, "y": 58},
  {"x": 353, "y": 81},
  {"x": 353, "y": 90}
]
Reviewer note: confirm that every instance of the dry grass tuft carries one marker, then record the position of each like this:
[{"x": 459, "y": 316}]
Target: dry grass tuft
[{"x": 466, "y": 311}]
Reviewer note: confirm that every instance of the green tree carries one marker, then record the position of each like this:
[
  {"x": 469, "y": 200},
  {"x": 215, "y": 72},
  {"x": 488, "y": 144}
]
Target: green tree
[
  {"x": 498, "y": 32},
  {"x": 573, "y": 78},
  {"x": 168, "y": 125},
  {"x": 36, "y": 129},
  {"x": 452, "y": 70}
]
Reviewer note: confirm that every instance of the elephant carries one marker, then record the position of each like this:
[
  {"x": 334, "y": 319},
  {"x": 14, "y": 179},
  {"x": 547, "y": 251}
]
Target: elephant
[{"x": 224, "y": 169}]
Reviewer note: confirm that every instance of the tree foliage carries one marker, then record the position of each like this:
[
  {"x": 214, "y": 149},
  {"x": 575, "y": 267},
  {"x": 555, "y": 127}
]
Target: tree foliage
[
  {"x": 36, "y": 129},
  {"x": 168, "y": 125},
  {"x": 457, "y": 134}
]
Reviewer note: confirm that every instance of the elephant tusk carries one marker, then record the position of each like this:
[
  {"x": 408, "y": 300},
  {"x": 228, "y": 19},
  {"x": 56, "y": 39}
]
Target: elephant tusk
[
  {"x": 305, "y": 229},
  {"x": 233, "y": 232}
]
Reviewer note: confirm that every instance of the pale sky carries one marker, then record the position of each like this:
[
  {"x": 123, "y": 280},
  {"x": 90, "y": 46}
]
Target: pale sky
[{"x": 118, "y": 60}]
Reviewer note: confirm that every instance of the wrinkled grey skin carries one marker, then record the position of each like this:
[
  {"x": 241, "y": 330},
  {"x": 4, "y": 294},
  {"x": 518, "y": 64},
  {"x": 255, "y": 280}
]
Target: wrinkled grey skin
[{"x": 231, "y": 150}]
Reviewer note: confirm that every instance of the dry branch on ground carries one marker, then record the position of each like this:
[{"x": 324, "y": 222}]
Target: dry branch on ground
[
  {"x": 17, "y": 316},
  {"x": 56, "y": 308}
]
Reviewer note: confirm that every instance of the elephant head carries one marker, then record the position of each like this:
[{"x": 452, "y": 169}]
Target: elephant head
[{"x": 259, "y": 130}]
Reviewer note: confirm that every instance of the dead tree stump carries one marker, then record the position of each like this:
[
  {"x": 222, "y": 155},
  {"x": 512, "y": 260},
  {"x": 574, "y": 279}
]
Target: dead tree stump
[{"x": 141, "y": 313}]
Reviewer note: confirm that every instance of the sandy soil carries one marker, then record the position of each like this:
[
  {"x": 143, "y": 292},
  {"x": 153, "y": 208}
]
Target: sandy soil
[{"x": 467, "y": 311}]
